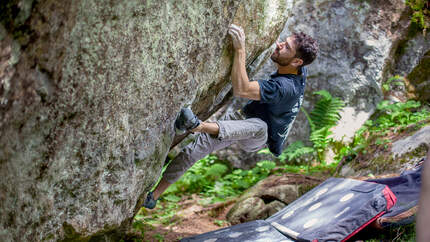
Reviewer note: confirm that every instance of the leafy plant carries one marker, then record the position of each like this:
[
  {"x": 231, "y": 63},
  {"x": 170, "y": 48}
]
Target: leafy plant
[
  {"x": 320, "y": 139},
  {"x": 220, "y": 222},
  {"x": 216, "y": 171},
  {"x": 324, "y": 116},
  {"x": 172, "y": 198},
  {"x": 210, "y": 178},
  {"x": 202, "y": 174},
  {"x": 395, "y": 80},
  {"x": 159, "y": 237},
  {"x": 326, "y": 111},
  {"x": 390, "y": 117},
  {"x": 309, "y": 169},
  {"x": 294, "y": 151},
  {"x": 236, "y": 182},
  {"x": 420, "y": 13}
]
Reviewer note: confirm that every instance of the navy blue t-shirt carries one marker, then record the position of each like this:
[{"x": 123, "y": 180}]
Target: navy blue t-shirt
[{"x": 281, "y": 97}]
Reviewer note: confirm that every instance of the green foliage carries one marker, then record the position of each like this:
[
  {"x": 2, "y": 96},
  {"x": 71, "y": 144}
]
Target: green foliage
[
  {"x": 324, "y": 116},
  {"x": 420, "y": 12},
  {"x": 398, "y": 114},
  {"x": 166, "y": 215},
  {"x": 320, "y": 139},
  {"x": 326, "y": 111},
  {"x": 201, "y": 175},
  {"x": 236, "y": 182},
  {"x": 209, "y": 178},
  {"x": 159, "y": 237},
  {"x": 310, "y": 169},
  {"x": 395, "y": 80},
  {"x": 390, "y": 117},
  {"x": 139, "y": 225},
  {"x": 172, "y": 198},
  {"x": 220, "y": 222},
  {"x": 295, "y": 151},
  {"x": 216, "y": 171}
]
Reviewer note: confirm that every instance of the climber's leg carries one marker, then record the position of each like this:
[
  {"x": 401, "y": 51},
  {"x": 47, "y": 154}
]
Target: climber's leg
[{"x": 250, "y": 133}]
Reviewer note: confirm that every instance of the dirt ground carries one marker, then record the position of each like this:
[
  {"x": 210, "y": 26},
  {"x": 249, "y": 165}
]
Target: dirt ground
[{"x": 193, "y": 219}]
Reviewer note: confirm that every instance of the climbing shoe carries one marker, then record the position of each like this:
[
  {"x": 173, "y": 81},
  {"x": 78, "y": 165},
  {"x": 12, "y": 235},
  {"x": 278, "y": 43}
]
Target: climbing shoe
[
  {"x": 187, "y": 120},
  {"x": 150, "y": 202}
]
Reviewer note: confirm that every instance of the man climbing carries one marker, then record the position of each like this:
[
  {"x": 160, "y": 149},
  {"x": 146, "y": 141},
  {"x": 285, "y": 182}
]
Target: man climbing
[{"x": 266, "y": 118}]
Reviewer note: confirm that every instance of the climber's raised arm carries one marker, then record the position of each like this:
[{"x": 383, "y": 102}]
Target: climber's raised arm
[{"x": 242, "y": 87}]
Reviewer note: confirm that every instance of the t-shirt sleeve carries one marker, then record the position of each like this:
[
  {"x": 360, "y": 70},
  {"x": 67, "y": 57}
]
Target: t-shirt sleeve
[{"x": 273, "y": 91}]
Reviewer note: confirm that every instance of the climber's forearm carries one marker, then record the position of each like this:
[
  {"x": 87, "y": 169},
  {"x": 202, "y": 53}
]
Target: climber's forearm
[{"x": 242, "y": 87}]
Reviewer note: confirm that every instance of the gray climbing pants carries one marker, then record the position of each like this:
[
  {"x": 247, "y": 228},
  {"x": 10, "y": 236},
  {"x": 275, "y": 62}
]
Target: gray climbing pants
[{"x": 250, "y": 134}]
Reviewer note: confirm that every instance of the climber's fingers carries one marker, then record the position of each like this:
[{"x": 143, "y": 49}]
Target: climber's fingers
[
  {"x": 237, "y": 35},
  {"x": 238, "y": 28}
]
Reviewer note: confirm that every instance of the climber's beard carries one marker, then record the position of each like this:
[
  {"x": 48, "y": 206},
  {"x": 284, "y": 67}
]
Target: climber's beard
[{"x": 278, "y": 59}]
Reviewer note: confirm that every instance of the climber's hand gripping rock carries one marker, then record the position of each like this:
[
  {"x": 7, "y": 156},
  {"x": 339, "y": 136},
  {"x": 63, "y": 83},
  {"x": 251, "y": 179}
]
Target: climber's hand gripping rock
[{"x": 237, "y": 36}]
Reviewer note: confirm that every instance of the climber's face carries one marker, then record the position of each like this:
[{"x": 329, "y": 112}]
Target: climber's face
[{"x": 285, "y": 52}]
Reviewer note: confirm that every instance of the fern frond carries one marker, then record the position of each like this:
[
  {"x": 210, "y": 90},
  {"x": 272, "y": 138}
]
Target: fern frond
[
  {"x": 294, "y": 151},
  {"x": 324, "y": 93},
  {"x": 326, "y": 111},
  {"x": 319, "y": 137}
]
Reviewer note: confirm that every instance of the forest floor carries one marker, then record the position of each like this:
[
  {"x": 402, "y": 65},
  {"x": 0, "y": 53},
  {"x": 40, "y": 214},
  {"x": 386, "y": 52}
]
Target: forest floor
[{"x": 193, "y": 219}]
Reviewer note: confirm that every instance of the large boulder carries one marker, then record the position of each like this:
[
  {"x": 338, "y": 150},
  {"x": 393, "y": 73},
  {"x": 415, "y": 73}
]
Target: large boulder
[
  {"x": 89, "y": 91},
  {"x": 362, "y": 45}
]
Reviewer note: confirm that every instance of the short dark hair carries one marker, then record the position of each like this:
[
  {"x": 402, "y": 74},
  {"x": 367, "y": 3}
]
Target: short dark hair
[{"x": 306, "y": 47}]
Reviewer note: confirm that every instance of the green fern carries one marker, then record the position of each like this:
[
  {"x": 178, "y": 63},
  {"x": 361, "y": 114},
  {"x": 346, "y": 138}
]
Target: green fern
[
  {"x": 326, "y": 111},
  {"x": 324, "y": 116},
  {"x": 320, "y": 139},
  {"x": 294, "y": 151}
]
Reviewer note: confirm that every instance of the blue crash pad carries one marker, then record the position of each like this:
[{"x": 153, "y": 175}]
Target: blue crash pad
[
  {"x": 254, "y": 231},
  {"x": 333, "y": 211}
]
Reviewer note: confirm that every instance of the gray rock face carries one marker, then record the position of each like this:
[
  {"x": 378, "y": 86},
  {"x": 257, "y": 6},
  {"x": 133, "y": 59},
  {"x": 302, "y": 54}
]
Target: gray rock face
[
  {"x": 89, "y": 91},
  {"x": 419, "y": 79},
  {"x": 412, "y": 61},
  {"x": 411, "y": 50},
  {"x": 250, "y": 209},
  {"x": 402, "y": 146}
]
